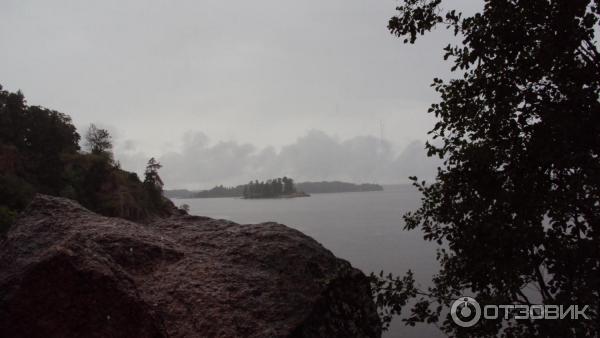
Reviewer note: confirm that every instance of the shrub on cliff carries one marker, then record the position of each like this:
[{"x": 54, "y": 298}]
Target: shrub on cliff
[{"x": 100, "y": 185}]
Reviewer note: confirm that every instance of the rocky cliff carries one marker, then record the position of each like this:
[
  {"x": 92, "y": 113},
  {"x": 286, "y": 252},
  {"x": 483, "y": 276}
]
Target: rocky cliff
[{"x": 68, "y": 272}]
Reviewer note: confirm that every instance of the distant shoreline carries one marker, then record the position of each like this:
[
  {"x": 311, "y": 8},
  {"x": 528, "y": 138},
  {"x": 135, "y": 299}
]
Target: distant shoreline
[
  {"x": 294, "y": 195},
  {"x": 305, "y": 189}
]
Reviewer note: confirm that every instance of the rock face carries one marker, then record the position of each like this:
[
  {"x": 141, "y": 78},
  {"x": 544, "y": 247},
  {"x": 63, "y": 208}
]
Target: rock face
[{"x": 67, "y": 272}]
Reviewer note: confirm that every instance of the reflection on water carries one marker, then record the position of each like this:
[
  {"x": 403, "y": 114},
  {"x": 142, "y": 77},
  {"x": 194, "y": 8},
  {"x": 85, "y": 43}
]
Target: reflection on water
[{"x": 364, "y": 228}]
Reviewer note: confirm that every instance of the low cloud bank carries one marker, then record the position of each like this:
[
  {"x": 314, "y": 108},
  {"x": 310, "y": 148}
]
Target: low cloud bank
[{"x": 313, "y": 157}]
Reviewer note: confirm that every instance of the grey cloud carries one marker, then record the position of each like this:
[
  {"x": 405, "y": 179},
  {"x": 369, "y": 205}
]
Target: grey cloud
[
  {"x": 233, "y": 68},
  {"x": 314, "y": 156},
  {"x": 413, "y": 161},
  {"x": 129, "y": 145}
]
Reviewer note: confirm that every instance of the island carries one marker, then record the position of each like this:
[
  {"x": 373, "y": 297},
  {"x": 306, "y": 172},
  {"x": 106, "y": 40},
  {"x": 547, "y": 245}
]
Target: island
[
  {"x": 282, "y": 187},
  {"x": 275, "y": 188}
]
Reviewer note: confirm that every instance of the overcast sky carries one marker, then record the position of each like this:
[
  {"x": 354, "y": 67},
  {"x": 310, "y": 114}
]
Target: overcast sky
[{"x": 219, "y": 86}]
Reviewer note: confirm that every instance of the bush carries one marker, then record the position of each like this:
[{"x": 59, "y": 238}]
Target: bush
[
  {"x": 15, "y": 193},
  {"x": 7, "y": 218}
]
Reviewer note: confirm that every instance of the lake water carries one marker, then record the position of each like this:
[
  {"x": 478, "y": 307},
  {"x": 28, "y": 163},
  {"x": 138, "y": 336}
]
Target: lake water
[{"x": 365, "y": 228}]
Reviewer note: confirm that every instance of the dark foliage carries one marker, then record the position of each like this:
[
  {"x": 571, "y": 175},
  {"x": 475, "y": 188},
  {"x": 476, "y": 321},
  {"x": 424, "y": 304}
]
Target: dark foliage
[
  {"x": 99, "y": 141},
  {"x": 153, "y": 184},
  {"x": 40, "y": 136},
  {"x": 270, "y": 189},
  {"x": 39, "y": 153},
  {"x": 516, "y": 205},
  {"x": 7, "y": 217},
  {"x": 15, "y": 192}
]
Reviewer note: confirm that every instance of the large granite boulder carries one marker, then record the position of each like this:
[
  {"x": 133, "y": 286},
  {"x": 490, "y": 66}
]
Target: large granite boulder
[{"x": 68, "y": 272}]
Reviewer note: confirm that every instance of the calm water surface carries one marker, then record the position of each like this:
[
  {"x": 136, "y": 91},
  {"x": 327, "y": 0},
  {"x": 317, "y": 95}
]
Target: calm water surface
[{"x": 364, "y": 228}]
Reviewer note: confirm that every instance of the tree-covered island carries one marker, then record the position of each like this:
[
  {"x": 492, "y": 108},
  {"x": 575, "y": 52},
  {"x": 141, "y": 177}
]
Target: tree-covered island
[{"x": 272, "y": 188}]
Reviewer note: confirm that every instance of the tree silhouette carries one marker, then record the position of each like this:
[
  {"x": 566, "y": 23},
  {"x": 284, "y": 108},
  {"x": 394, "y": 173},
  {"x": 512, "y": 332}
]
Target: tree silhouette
[
  {"x": 98, "y": 141},
  {"x": 153, "y": 183},
  {"x": 288, "y": 185},
  {"x": 151, "y": 174},
  {"x": 516, "y": 202}
]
